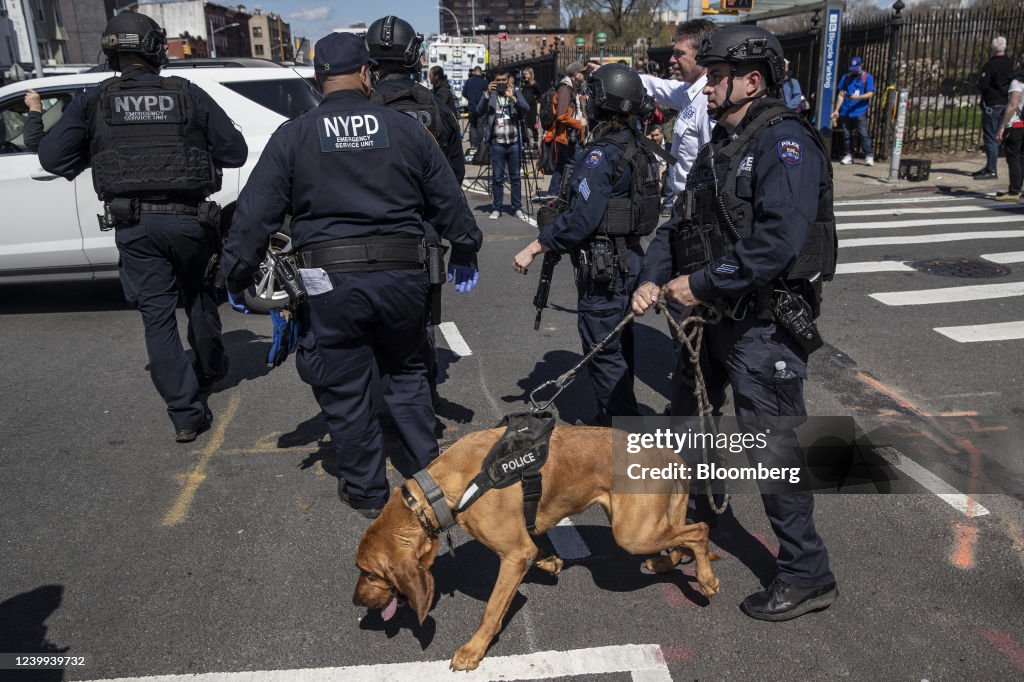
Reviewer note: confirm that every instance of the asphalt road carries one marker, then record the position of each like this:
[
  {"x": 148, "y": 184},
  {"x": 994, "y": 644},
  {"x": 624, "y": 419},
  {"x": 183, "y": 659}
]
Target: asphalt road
[{"x": 233, "y": 553}]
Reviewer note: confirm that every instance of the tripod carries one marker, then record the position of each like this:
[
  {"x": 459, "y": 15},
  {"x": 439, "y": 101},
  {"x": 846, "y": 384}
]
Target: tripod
[{"x": 528, "y": 168}]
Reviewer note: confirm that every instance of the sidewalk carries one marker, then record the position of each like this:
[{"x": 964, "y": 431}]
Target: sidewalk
[{"x": 948, "y": 175}]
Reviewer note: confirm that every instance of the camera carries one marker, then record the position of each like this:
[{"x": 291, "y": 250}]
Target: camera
[{"x": 501, "y": 88}]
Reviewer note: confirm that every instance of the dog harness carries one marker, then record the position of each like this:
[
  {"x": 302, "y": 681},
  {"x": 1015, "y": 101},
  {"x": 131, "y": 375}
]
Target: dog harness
[{"x": 517, "y": 456}]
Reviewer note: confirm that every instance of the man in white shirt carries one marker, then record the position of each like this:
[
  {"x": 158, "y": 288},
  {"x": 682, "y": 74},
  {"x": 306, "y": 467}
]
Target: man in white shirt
[{"x": 692, "y": 128}]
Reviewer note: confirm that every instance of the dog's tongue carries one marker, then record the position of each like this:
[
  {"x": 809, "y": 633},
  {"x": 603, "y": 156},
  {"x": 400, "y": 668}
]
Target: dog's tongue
[{"x": 389, "y": 611}]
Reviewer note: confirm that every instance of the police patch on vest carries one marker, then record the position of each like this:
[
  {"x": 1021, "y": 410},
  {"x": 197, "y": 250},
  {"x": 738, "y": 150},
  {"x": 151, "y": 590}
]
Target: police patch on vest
[
  {"x": 726, "y": 269},
  {"x": 584, "y": 189},
  {"x": 594, "y": 158},
  {"x": 145, "y": 107},
  {"x": 350, "y": 132},
  {"x": 789, "y": 152}
]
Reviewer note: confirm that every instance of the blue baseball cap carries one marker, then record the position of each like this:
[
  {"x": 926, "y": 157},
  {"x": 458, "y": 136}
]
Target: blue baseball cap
[
  {"x": 341, "y": 53},
  {"x": 856, "y": 62}
]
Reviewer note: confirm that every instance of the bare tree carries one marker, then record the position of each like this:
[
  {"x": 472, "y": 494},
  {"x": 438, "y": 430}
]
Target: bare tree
[{"x": 624, "y": 20}]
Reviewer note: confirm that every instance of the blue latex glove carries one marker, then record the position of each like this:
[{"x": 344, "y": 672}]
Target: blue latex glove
[
  {"x": 237, "y": 301},
  {"x": 286, "y": 337},
  {"x": 465, "y": 276}
]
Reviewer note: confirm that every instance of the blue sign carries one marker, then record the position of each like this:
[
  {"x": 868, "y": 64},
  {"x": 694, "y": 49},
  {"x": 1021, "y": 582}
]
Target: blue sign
[{"x": 829, "y": 65}]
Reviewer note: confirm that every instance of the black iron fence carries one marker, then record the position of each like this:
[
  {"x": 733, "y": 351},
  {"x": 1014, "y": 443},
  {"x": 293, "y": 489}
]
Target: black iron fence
[
  {"x": 941, "y": 53},
  {"x": 548, "y": 66}
]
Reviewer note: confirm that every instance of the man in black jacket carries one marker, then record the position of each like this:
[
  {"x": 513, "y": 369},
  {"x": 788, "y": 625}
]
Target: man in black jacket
[
  {"x": 993, "y": 83},
  {"x": 443, "y": 89},
  {"x": 473, "y": 90}
]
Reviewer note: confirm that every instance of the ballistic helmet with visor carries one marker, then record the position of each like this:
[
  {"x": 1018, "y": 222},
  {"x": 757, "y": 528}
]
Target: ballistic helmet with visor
[
  {"x": 394, "y": 40},
  {"x": 616, "y": 89},
  {"x": 745, "y": 45},
  {"x": 134, "y": 33}
]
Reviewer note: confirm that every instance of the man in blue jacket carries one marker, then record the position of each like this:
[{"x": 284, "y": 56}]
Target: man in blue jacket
[{"x": 856, "y": 88}]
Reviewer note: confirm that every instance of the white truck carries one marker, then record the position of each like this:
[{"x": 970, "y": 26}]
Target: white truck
[{"x": 457, "y": 56}]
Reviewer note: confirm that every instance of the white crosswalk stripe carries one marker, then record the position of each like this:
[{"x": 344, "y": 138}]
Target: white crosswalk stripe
[{"x": 937, "y": 228}]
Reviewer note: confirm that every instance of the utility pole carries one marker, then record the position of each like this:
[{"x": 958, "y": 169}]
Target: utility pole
[{"x": 33, "y": 46}]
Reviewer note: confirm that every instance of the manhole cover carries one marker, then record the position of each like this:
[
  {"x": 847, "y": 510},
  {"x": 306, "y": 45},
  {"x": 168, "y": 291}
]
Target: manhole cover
[{"x": 960, "y": 267}]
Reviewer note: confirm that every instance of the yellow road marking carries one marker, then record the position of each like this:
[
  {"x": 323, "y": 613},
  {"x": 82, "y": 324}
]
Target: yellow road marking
[{"x": 194, "y": 478}]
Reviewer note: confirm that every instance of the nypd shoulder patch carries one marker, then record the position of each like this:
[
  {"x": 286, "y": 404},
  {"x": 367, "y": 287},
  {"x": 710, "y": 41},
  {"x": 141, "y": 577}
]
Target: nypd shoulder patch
[
  {"x": 689, "y": 112},
  {"x": 584, "y": 189},
  {"x": 594, "y": 158},
  {"x": 790, "y": 152}
]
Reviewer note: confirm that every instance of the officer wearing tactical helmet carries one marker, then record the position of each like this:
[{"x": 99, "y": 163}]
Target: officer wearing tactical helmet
[
  {"x": 396, "y": 46},
  {"x": 359, "y": 181},
  {"x": 759, "y": 200},
  {"x": 611, "y": 201},
  {"x": 156, "y": 146}
]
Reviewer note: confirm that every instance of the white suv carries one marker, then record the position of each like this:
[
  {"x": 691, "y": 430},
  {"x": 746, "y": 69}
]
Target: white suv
[{"x": 50, "y": 229}]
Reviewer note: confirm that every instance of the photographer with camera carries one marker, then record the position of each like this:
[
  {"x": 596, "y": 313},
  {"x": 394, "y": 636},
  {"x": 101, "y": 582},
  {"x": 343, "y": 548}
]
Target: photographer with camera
[
  {"x": 609, "y": 201},
  {"x": 501, "y": 109}
]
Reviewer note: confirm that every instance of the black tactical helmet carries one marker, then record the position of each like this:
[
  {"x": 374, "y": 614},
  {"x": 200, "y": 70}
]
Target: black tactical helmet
[
  {"x": 134, "y": 33},
  {"x": 617, "y": 89},
  {"x": 743, "y": 45},
  {"x": 394, "y": 40}
]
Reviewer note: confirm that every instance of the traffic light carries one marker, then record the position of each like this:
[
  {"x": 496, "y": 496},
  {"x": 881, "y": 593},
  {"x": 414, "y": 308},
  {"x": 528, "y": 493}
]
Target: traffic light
[{"x": 737, "y": 5}]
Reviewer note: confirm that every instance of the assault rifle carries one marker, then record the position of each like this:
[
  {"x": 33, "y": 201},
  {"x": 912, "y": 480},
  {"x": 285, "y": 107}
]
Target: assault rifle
[{"x": 545, "y": 216}]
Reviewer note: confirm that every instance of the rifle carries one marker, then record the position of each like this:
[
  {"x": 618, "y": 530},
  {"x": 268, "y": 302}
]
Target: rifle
[
  {"x": 545, "y": 216},
  {"x": 547, "y": 270}
]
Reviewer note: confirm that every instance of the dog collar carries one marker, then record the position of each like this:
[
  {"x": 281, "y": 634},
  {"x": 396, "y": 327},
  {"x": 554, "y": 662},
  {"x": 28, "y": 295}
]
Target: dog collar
[{"x": 435, "y": 498}]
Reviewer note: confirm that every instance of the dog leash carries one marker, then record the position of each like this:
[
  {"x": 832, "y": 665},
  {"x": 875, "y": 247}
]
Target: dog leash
[
  {"x": 563, "y": 381},
  {"x": 690, "y": 333}
]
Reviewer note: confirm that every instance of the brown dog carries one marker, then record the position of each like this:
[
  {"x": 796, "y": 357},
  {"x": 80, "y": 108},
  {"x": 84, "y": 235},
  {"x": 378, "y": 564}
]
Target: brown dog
[{"x": 396, "y": 552}]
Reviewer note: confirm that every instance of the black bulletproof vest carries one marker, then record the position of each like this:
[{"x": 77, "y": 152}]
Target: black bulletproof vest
[
  {"x": 636, "y": 215},
  {"x": 147, "y": 142},
  {"x": 417, "y": 102},
  {"x": 710, "y": 195}
]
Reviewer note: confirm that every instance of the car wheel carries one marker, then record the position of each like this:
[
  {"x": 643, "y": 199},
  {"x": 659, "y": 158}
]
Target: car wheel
[{"x": 267, "y": 294}]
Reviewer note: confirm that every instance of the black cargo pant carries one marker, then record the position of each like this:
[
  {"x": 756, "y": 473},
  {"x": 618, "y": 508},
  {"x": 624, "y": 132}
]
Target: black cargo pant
[
  {"x": 743, "y": 354},
  {"x": 163, "y": 259},
  {"x": 613, "y": 369},
  {"x": 368, "y": 319}
]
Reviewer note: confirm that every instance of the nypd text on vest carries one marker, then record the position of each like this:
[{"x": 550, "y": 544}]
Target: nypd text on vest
[
  {"x": 144, "y": 107},
  {"x": 346, "y": 132}
]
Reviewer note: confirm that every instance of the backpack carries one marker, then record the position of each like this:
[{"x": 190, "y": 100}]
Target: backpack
[{"x": 547, "y": 109}]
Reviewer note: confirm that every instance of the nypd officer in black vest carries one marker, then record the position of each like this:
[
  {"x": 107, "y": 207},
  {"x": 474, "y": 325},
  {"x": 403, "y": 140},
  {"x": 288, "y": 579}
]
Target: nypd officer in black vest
[
  {"x": 611, "y": 202},
  {"x": 759, "y": 199},
  {"x": 156, "y": 146},
  {"x": 396, "y": 47},
  {"x": 359, "y": 181}
]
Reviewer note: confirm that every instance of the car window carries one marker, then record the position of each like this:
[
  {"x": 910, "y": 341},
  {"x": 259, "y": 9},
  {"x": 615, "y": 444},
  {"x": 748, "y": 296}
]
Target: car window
[
  {"x": 15, "y": 112},
  {"x": 288, "y": 96}
]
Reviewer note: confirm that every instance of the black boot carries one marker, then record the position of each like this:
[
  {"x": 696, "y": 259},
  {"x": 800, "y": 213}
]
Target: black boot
[{"x": 782, "y": 601}]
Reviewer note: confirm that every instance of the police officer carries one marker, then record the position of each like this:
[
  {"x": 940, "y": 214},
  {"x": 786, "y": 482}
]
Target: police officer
[
  {"x": 156, "y": 146},
  {"x": 359, "y": 181},
  {"x": 770, "y": 221},
  {"x": 396, "y": 46},
  {"x": 612, "y": 202}
]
